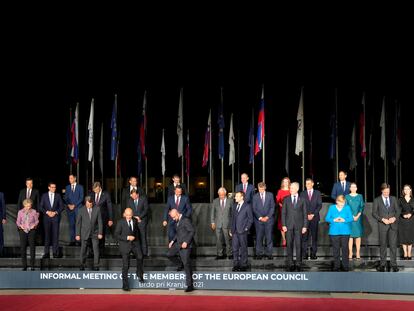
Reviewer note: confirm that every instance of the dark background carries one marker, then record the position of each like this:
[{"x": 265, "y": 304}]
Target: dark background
[{"x": 47, "y": 69}]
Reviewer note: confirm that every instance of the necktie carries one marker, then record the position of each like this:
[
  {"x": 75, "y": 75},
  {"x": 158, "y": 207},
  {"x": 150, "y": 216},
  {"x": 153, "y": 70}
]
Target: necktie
[
  {"x": 177, "y": 201},
  {"x": 294, "y": 201},
  {"x": 244, "y": 188},
  {"x": 130, "y": 225},
  {"x": 262, "y": 197},
  {"x": 97, "y": 198},
  {"x": 238, "y": 208},
  {"x": 310, "y": 195},
  {"x": 343, "y": 186},
  {"x": 28, "y": 193},
  {"x": 387, "y": 203},
  {"x": 222, "y": 204},
  {"x": 90, "y": 213},
  {"x": 73, "y": 188},
  {"x": 51, "y": 199}
]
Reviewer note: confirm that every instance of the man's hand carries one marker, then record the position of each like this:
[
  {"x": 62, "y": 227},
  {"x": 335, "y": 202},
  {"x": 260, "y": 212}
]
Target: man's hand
[
  {"x": 170, "y": 244},
  {"x": 110, "y": 223},
  {"x": 130, "y": 238},
  {"x": 100, "y": 236},
  {"x": 4, "y": 221},
  {"x": 284, "y": 229},
  {"x": 77, "y": 238},
  {"x": 230, "y": 234},
  {"x": 310, "y": 217},
  {"x": 385, "y": 221},
  {"x": 304, "y": 230},
  {"x": 213, "y": 226},
  {"x": 392, "y": 220},
  {"x": 164, "y": 223},
  {"x": 184, "y": 245}
]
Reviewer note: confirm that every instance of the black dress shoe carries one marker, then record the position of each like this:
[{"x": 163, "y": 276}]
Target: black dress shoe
[
  {"x": 244, "y": 268},
  {"x": 292, "y": 268},
  {"x": 189, "y": 289},
  {"x": 345, "y": 269},
  {"x": 24, "y": 269},
  {"x": 32, "y": 269},
  {"x": 126, "y": 289},
  {"x": 335, "y": 270},
  {"x": 259, "y": 257},
  {"x": 236, "y": 268},
  {"x": 72, "y": 244},
  {"x": 180, "y": 268},
  {"x": 298, "y": 268},
  {"x": 395, "y": 269},
  {"x": 95, "y": 268},
  {"x": 380, "y": 269},
  {"x": 305, "y": 257},
  {"x": 82, "y": 268},
  {"x": 314, "y": 257},
  {"x": 231, "y": 257},
  {"x": 140, "y": 277},
  {"x": 220, "y": 257},
  {"x": 46, "y": 256},
  {"x": 270, "y": 257}
]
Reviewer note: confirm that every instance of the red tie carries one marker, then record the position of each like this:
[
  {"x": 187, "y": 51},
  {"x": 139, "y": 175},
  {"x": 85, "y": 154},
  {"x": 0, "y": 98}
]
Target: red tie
[
  {"x": 177, "y": 201},
  {"x": 244, "y": 188},
  {"x": 310, "y": 195}
]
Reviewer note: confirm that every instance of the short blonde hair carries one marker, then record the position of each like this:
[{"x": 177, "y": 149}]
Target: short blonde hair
[
  {"x": 27, "y": 202},
  {"x": 340, "y": 198}
]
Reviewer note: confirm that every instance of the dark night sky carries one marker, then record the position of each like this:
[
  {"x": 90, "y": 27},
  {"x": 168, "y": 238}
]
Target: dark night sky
[{"x": 47, "y": 74}]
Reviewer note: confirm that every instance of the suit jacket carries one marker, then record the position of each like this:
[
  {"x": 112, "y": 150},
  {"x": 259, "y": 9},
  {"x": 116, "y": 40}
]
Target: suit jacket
[
  {"x": 185, "y": 231},
  {"x": 314, "y": 205},
  {"x": 379, "y": 211},
  {"x": 142, "y": 208},
  {"x": 122, "y": 231},
  {"x": 34, "y": 196},
  {"x": 76, "y": 197},
  {"x": 171, "y": 189},
  {"x": 242, "y": 220},
  {"x": 294, "y": 217},
  {"x": 337, "y": 189},
  {"x": 248, "y": 198},
  {"x": 105, "y": 205},
  {"x": 221, "y": 217},
  {"x": 2, "y": 207},
  {"x": 45, "y": 203},
  {"x": 126, "y": 195},
  {"x": 268, "y": 209},
  {"x": 86, "y": 227},
  {"x": 183, "y": 208}
]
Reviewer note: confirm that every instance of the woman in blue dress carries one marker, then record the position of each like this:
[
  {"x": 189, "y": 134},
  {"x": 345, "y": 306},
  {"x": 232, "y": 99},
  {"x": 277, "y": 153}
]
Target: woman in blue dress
[{"x": 357, "y": 204}]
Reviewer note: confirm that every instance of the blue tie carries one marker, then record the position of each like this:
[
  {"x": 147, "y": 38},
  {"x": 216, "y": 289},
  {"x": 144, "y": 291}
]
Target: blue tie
[{"x": 387, "y": 203}]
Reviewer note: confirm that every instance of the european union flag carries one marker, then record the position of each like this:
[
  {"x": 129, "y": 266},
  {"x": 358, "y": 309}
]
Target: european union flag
[
  {"x": 221, "y": 131},
  {"x": 114, "y": 135}
]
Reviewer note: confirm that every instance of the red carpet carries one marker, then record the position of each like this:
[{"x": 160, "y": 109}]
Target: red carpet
[{"x": 193, "y": 303}]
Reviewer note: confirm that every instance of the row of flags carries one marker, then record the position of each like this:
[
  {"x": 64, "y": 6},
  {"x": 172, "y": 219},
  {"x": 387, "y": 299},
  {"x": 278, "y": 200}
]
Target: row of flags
[{"x": 255, "y": 143}]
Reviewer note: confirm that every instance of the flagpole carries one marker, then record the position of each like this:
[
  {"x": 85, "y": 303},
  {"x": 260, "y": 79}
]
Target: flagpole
[
  {"x": 365, "y": 157},
  {"x": 163, "y": 165},
  {"x": 222, "y": 133},
  {"x": 336, "y": 132},
  {"x": 188, "y": 163},
  {"x": 211, "y": 162},
  {"x": 303, "y": 143},
  {"x": 101, "y": 155},
  {"x": 86, "y": 153},
  {"x": 68, "y": 155},
  {"x": 373, "y": 179},
  {"x": 253, "y": 147},
  {"x": 116, "y": 178}
]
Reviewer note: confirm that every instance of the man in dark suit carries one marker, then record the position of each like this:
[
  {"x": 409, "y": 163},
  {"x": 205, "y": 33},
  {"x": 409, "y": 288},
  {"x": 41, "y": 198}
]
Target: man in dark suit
[
  {"x": 313, "y": 201},
  {"x": 33, "y": 194},
  {"x": 340, "y": 187},
  {"x": 242, "y": 220},
  {"x": 102, "y": 199},
  {"x": 139, "y": 205},
  {"x": 294, "y": 223},
  {"x": 264, "y": 219},
  {"x": 126, "y": 192},
  {"x": 89, "y": 231},
  {"x": 181, "y": 245},
  {"x": 387, "y": 211},
  {"x": 2, "y": 221},
  {"x": 179, "y": 202},
  {"x": 126, "y": 233},
  {"x": 176, "y": 181},
  {"x": 73, "y": 199},
  {"x": 221, "y": 223},
  {"x": 246, "y": 188},
  {"x": 51, "y": 205}
]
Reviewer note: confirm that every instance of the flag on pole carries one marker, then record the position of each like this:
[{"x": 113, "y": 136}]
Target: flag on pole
[
  {"x": 362, "y": 129},
  {"x": 139, "y": 159},
  {"x": 352, "y": 151},
  {"x": 251, "y": 143},
  {"x": 114, "y": 133},
  {"x": 221, "y": 129},
  {"x": 260, "y": 126},
  {"x": 207, "y": 141},
  {"x": 398, "y": 134},
  {"x": 299, "y": 133},
  {"x": 232, "y": 152},
  {"x": 311, "y": 152},
  {"x": 332, "y": 136},
  {"x": 187, "y": 154},
  {"x": 287, "y": 154},
  {"x": 101, "y": 150},
  {"x": 90, "y": 130},
  {"x": 163, "y": 154},
  {"x": 370, "y": 144},
  {"x": 143, "y": 128},
  {"x": 69, "y": 139},
  {"x": 382, "y": 125},
  {"x": 180, "y": 126},
  {"x": 75, "y": 136}
]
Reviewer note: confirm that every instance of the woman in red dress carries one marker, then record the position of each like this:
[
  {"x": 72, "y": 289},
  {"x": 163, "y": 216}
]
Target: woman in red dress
[{"x": 281, "y": 194}]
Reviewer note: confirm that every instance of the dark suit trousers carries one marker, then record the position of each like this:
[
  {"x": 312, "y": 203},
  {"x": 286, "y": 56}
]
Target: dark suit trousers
[
  {"x": 51, "y": 233},
  {"x": 313, "y": 232},
  {"x": 239, "y": 241},
  {"x": 294, "y": 236},
  {"x": 172, "y": 230},
  {"x": 184, "y": 260},
  {"x": 27, "y": 238},
  {"x": 105, "y": 231},
  {"x": 142, "y": 226},
  {"x": 264, "y": 230},
  {"x": 72, "y": 222},
  {"x": 340, "y": 242},
  {"x": 388, "y": 236},
  {"x": 125, "y": 262},
  {"x": 223, "y": 240},
  {"x": 84, "y": 248}
]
